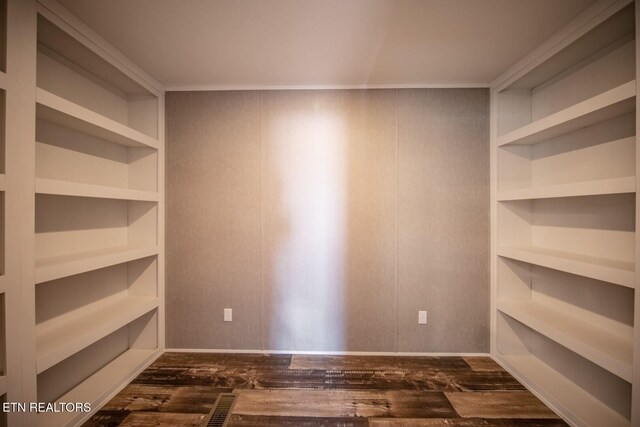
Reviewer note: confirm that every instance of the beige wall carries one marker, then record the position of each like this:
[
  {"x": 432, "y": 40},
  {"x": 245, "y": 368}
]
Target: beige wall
[{"x": 327, "y": 219}]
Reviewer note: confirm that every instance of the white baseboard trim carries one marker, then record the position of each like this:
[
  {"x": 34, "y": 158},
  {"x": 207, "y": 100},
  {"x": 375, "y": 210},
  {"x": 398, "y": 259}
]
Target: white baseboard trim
[{"x": 318, "y": 353}]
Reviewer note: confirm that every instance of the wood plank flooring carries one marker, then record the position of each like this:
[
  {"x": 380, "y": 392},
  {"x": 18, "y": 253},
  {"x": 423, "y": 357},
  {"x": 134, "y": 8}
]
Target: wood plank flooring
[{"x": 179, "y": 389}]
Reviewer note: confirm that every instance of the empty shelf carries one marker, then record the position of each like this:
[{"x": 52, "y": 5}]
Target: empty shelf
[
  {"x": 613, "y": 271},
  {"x": 562, "y": 393},
  {"x": 585, "y": 188},
  {"x": 603, "y": 348},
  {"x": 67, "y": 265},
  {"x": 100, "y": 386},
  {"x": 65, "y": 188},
  {"x": 607, "y": 105},
  {"x": 63, "y": 337},
  {"x": 56, "y": 109}
]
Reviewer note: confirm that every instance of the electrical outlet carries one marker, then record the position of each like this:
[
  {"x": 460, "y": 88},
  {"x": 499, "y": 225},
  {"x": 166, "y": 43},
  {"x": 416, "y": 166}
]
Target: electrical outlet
[
  {"x": 422, "y": 317},
  {"x": 228, "y": 315}
]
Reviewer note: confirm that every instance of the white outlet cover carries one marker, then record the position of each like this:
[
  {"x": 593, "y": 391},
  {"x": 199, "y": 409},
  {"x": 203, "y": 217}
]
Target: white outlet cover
[
  {"x": 228, "y": 315},
  {"x": 422, "y": 317}
]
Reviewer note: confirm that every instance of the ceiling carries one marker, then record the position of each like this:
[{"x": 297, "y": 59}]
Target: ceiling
[{"x": 217, "y": 44}]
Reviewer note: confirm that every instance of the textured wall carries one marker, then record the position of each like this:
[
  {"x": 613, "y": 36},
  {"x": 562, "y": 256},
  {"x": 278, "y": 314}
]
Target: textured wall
[{"x": 327, "y": 219}]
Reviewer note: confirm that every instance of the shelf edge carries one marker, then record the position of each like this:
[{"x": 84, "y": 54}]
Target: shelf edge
[
  {"x": 76, "y": 189},
  {"x": 79, "y": 343},
  {"x": 603, "y": 273},
  {"x": 607, "y": 100},
  {"x": 110, "y": 129},
  {"x": 604, "y": 360},
  {"x": 71, "y": 268}
]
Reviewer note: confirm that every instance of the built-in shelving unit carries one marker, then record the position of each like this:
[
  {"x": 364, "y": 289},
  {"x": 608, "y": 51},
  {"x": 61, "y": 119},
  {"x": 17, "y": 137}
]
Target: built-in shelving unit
[
  {"x": 87, "y": 203},
  {"x": 564, "y": 218}
]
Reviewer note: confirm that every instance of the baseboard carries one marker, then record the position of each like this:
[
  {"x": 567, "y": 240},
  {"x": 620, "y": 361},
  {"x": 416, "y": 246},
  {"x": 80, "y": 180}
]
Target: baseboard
[{"x": 318, "y": 353}]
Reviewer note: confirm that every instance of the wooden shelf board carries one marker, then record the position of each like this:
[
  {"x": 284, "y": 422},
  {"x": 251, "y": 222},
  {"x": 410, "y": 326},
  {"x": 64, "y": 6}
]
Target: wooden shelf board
[
  {"x": 61, "y": 338},
  {"x": 53, "y": 38},
  {"x": 3, "y": 385},
  {"x": 65, "y": 188},
  {"x": 607, "y": 105},
  {"x": 613, "y": 271},
  {"x": 100, "y": 386},
  {"x": 3, "y": 80},
  {"x": 607, "y": 350},
  {"x": 619, "y": 26},
  {"x": 552, "y": 387},
  {"x": 68, "y": 265},
  {"x": 3, "y": 184},
  {"x": 56, "y": 109},
  {"x": 575, "y": 189}
]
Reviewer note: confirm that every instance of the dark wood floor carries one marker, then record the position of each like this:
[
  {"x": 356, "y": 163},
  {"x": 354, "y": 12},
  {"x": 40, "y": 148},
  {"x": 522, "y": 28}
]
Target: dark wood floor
[{"x": 179, "y": 389}]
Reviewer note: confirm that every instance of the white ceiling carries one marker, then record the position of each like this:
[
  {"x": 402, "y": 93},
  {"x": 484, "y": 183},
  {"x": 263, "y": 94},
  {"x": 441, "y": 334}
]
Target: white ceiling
[{"x": 197, "y": 44}]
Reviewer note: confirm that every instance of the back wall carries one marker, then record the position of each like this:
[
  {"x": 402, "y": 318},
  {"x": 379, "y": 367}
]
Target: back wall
[{"x": 326, "y": 219}]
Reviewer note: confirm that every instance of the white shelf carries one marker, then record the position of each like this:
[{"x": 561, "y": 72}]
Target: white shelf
[
  {"x": 561, "y": 393},
  {"x": 55, "y": 109},
  {"x": 613, "y": 271},
  {"x": 3, "y": 80},
  {"x": 67, "y": 265},
  {"x": 65, "y": 188},
  {"x": 3, "y": 185},
  {"x": 607, "y": 350},
  {"x": 607, "y": 105},
  {"x": 3, "y": 385},
  {"x": 60, "y": 338},
  {"x": 574, "y": 189},
  {"x": 100, "y": 386},
  {"x": 618, "y": 27}
]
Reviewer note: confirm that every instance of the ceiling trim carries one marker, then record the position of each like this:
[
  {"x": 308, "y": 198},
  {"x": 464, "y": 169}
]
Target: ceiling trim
[{"x": 202, "y": 88}]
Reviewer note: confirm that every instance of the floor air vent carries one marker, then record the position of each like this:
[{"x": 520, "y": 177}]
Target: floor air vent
[{"x": 221, "y": 412}]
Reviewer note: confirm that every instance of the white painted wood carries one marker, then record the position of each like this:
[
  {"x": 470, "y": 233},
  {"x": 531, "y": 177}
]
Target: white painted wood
[
  {"x": 160, "y": 183},
  {"x": 56, "y": 109},
  {"x": 610, "y": 351},
  {"x": 19, "y": 206},
  {"x": 613, "y": 271},
  {"x": 66, "y": 265},
  {"x": 576, "y": 405},
  {"x": 566, "y": 218},
  {"x": 587, "y": 34},
  {"x": 587, "y": 188},
  {"x": 66, "y": 335},
  {"x": 76, "y": 28},
  {"x": 100, "y": 141},
  {"x": 615, "y": 65},
  {"x": 63, "y": 188},
  {"x": 101, "y": 386},
  {"x": 635, "y": 391},
  {"x": 610, "y": 104}
]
